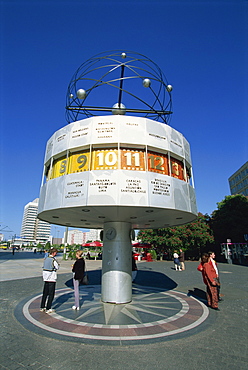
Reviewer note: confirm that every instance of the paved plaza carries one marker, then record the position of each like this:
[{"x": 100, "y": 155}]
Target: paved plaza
[{"x": 166, "y": 326}]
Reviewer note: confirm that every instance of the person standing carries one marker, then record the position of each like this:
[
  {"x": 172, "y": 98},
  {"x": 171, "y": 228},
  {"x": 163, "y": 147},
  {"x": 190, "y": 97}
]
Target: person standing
[
  {"x": 134, "y": 268},
  {"x": 78, "y": 270},
  {"x": 176, "y": 261},
  {"x": 181, "y": 259},
  {"x": 50, "y": 268},
  {"x": 210, "y": 280},
  {"x": 212, "y": 260}
]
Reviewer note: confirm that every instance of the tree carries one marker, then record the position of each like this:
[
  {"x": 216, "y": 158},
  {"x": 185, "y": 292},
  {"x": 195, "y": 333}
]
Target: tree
[
  {"x": 196, "y": 236},
  {"x": 39, "y": 246},
  {"x": 48, "y": 245},
  {"x": 193, "y": 238},
  {"x": 230, "y": 220}
]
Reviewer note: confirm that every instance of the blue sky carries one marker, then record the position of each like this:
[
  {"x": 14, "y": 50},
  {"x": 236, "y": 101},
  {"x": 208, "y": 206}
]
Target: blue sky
[{"x": 201, "y": 47}]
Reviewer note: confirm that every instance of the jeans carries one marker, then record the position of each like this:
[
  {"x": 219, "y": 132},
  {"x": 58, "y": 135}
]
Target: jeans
[
  {"x": 76, "y": 292},
  {"x": 48, "y": 294}
]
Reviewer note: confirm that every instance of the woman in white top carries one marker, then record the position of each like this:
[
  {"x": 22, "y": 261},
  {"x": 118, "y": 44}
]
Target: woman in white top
[{"x": 176, "y": 261}]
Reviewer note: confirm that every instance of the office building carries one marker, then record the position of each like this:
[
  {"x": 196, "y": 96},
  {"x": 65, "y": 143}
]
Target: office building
[
  {"x": 81, "y": 237},
  {"x": 75, "y": 237},
  {"x": 93, "y": 235},
  {"x": 33, "y": 229},
  {"x": 238, "y": 182}
]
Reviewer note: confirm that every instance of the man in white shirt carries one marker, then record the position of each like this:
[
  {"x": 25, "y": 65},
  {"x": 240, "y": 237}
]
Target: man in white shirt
[{"x": 49, "y": 277}]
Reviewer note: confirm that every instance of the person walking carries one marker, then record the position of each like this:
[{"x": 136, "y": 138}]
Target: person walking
[
  {"x": 78, "y": 270},
  {"x": 210, "y": 280},
  {"x": 181, "y": 259},
  {"x": 50, "y": 268}
]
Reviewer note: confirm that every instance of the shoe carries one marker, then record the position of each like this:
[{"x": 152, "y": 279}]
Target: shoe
[
  {"x": 75, "y": 308},
  {"x": 216, "y": 309},
  {"x": 42, "y": 310},
  {"x": 221, "y": 299},
  {"x": 50, "y": 310}
]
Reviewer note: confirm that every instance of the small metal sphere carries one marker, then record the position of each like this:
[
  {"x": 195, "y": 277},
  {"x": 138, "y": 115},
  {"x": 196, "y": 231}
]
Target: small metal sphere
[
  {"x": 121, "y": 110},
  {"x": 123, "y": 55},
  {"x": 146, "y": 82},
  {"x": 71, "y": 96},
  {"x": 169, "y": 88},
  {"x": 81, "y": 94}
]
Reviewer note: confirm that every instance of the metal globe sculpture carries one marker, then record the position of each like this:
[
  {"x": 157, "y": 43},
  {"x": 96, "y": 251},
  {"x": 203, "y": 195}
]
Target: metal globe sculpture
[{"x": 117, "y": 76}]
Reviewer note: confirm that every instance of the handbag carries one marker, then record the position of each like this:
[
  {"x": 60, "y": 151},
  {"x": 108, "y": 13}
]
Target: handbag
[{"x": 85, "y": 280}]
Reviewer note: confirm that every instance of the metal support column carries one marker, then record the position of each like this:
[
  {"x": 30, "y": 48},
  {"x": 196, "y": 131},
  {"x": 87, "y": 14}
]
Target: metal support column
[{"x": 117, "y": 263}]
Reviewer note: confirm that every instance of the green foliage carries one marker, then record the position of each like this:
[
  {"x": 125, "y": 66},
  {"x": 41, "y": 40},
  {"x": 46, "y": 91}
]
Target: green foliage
[
  {"x": 192, "y": 237},
  {"x": 72, "y": 254},
  {"x": 40, "y": 246},
  {"x": 153, "y": 254},
  {"x": 230, "y": 220},
  {"x": 72, "y": 250},
  {"x": 48, "y": 246}
]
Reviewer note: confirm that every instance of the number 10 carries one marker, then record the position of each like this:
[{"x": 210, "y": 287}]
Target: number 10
[{"x": 109, "y": 158}]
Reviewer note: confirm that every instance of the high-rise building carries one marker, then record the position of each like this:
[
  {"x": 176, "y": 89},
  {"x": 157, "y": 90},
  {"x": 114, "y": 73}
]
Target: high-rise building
[
  {"x": 34, "y": 229},
  {"x": 75, "y": 237},
  {"x": 238, "y": 182},
  {"x": 93, "y": 234},
  {"x": 81, "y": 237}
]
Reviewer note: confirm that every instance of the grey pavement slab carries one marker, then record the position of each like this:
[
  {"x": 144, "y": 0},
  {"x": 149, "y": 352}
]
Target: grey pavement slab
[
  {"x": 223, "y": 344},
  {"x": 27, "y": 264}
]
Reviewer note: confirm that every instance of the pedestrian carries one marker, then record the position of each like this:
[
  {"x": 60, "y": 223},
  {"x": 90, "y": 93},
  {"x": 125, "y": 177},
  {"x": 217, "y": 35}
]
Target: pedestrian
[
  {"x": 78, "y": 270},
  {"x": 50, "y": 268},
  {"x": 134, "y": 268},
  {"x": 46, "y": 254},
  {"x": 181, "y": 259},
  {"x": 210, "y": 280},
  {"x": 176, "y": 261},
  {"x": 214, "y": 263}
]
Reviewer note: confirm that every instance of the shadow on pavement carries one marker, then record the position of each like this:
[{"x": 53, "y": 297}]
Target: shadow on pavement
[
  {"x": 144, "y": 278},
  {"x": 94, "y": 276},
  {"x": 198, "y": 293}
]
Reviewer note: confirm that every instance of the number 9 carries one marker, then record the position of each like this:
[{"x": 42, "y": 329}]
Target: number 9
[{"x": 82, "y": 159}]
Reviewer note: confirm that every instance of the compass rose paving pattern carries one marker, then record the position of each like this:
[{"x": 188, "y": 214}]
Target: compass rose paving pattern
[{"x": 153, "y": 313}]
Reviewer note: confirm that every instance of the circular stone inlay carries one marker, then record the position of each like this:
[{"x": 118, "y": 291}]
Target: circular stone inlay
[{"x": 153, "y": 313}]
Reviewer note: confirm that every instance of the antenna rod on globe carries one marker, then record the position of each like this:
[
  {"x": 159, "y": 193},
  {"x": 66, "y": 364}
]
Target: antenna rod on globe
[{"x": 121, "y": 83}]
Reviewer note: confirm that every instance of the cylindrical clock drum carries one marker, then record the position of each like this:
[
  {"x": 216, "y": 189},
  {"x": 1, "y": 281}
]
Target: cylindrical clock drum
[{"x": 119, "y": 173}]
